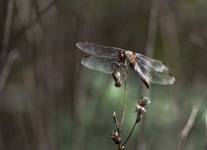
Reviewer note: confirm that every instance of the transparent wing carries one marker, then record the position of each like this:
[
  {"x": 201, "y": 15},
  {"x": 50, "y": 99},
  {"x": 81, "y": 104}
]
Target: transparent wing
[
  {"x": 157, "y": 65},
  {"x": 102, "y": 64},
  {"x": 142, "y": 75},
  {"x": 98, "y": 50},
  {"x": 152, "y": 75}
]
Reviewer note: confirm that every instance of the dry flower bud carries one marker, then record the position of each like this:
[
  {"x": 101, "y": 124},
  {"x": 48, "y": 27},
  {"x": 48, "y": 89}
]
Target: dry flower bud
[
  {"x": 140, "y": 108},
  {"x": 114, "y": 114},
  {"x": 147, "y": 100},
  {"x": 144, "y": 101},
  {"x": 115, "y": 137}
]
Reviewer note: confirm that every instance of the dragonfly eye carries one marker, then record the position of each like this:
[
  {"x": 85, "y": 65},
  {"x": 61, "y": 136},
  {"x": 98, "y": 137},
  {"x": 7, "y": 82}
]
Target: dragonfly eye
[{"x": 122, "y": 55}]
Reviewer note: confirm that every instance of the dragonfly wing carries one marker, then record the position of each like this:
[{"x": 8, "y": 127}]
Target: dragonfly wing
[
  {"x": 152, "y": 75},
  {"x": 142, "y": 75},
  {"x": 157, "y": 65},
  {"x": 102, "y": 64},
  {"x": 98, "y": 50}
]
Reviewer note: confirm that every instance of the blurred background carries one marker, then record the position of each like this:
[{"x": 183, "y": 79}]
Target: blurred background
[{"x": 48, "y": 101}]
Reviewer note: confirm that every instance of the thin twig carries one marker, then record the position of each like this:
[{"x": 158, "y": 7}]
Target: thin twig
[
  {"x": 13, "y": 55},
  {"x": 189, "y": 125},
  {"x": 125, "y": 105},
  {"x": 205, "y": 130},
  {"x": 7, "y": 28},
  {"x": 132, "y": 130},
  {"x": 116, "y": 135},
  {"x": 34, "y": 21},
  {"x": 140, "y": 109},
  {"x": 116, "y": 122}
]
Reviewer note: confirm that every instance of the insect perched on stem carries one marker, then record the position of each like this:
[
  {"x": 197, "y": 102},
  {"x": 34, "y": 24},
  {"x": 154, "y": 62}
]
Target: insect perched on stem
[{"x": 115, "y": 61}]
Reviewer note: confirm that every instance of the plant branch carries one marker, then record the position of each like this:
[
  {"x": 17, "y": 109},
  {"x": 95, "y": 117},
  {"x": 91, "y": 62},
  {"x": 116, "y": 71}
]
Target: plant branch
[
  {"x": 116, "y": 122},
  {"x": 132, "y": 130},
  {"x": 7, "y": 28},
  {"x": 39, "y": 16},
  {"x": 189, "y": 125},
  {"x": 125, "y": 105},
  {"x": 13, "y": 55},
  {"x": 140, "y": 109}
]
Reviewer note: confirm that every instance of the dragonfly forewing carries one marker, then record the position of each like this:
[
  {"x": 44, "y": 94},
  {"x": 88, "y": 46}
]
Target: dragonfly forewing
[
  {"x": 102, "y": 64},
  {"x": 98, "y": 50}
]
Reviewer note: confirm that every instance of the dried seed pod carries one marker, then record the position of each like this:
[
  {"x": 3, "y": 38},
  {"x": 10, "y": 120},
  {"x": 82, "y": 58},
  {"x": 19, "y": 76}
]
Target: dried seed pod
[{"x": 116, "y": 137}]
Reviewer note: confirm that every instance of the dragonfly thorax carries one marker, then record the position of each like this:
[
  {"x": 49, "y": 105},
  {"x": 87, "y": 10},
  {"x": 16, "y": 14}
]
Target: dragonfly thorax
[{"x": 131, "y": 57}]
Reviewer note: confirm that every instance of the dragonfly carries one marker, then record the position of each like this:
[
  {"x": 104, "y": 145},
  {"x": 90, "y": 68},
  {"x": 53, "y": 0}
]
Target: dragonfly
[{"x": 117, "y": 61}]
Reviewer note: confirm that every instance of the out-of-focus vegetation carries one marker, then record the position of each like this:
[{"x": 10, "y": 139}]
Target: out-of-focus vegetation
[{"x": 48, "y": 101}]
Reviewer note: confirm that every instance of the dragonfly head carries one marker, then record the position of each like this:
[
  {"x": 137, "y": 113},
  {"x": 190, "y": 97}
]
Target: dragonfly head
[{"x": 122, "y": 56}]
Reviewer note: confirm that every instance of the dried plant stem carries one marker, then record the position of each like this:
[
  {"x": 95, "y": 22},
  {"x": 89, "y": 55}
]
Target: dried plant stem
[
  {"x": 189, "y": 126},
  {"x": 7, "y": 28},
  {"x": 125, "y": 105},
  {"x": 13, "y": 55},
  {"x": 116, "y": 122},
  {"x": 36, "y": 19},
  {"x": 205, "y": 130},
  {"x": 132, "y": 130},
  {"x": 116, "y": 136}
]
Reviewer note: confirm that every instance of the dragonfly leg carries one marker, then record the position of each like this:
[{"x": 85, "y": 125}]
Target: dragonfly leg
[
  {"x": 115, "y": 65},
  {"x": 123, "y": 68}
]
